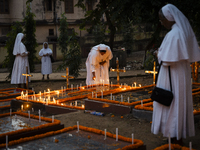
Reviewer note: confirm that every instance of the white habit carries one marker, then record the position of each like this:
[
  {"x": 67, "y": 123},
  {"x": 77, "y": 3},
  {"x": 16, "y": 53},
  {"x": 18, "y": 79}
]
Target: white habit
[
  {"x": 46, "y": 67},
  {"x": 177, "y": 50},
  {"x": 21, "y": 61},
  {"x": 92, "y": 65}
]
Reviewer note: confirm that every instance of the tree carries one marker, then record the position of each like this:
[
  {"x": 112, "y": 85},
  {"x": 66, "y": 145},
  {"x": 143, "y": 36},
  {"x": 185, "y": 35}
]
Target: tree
[
  {"x": 112, "y": 12},
  {"x": 70, "y": 48},
  {"x": 139, "y": 12},
  {"x": 9, "y": 60},
  {"x": 99, "y": 33},
  {"x": 30, "y": 40}
]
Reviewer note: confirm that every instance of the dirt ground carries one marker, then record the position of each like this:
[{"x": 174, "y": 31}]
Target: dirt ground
[{"x": 126, "y": 125}]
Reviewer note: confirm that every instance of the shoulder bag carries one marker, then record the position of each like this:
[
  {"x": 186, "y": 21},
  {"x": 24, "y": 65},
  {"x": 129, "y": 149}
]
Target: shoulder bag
[{"x": 160, "y": 95}]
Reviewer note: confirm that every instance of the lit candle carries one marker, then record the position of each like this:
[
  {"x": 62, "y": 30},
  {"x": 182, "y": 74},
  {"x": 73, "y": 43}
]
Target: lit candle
[
  {"x": 111, "y": 84},
  {"x": 141, "y": 103},
  {"x": 105, "y": 134},
  {"x": 124, "y": 69},
  {"x": 108, "y": 82},
  {"x": 132, "y": 138},
  {"x": 27, "y": 95},
  {"x": 76, "y": 103},
  {"x": 77, "y": 87},
  {"x": 44, "y": 93},
  {"x": 190, "y": 145},
  {"x": 96, "y": 95},
  {"x": 92, "y": 94},
  {"x": 116, "y": 134},
  {"x": 39, "y": 116},
  {"x": 121, "y": 98},
  {"x": 135, "y": 84},
  {"x": 52, "y": 118},
  {"x": 102, "y": 94},
  {"x": 21, "y": 94},
  {"x": 22, "y": 107},
  {"x": 128, "y": 100},
  {"x": 71, "y": 86},
  {"x": 80, "y": 85},
  {"x": 40, "y": 94},
  {"x": 132, "y": 85},
  {"x": 77, "y": 126},
  {"x": 110, "y": 96},
  {"x": 140, "y": 85},
  {"x": 32, "y": 109},
  {"x": 116, "y": 58},
  {"x": 103, "y": 82},
  {"x": 121, "y": 85},
  {"x": 113, "y": 97},
  {"x": 57, "y": 94}
]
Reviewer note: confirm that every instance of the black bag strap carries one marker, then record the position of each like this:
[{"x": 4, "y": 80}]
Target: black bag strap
[{"x": 169, "y": 74}]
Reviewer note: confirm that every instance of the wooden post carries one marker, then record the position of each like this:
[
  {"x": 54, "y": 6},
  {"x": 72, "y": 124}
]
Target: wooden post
[
  {"x": 117, "y": 70},
  {"x": 27, "y": 75},
  {"x": 154, "y": 72},
  {"x": 67, "y": 77}
]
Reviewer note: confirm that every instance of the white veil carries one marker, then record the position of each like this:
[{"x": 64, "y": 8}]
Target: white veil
[
  {"x": 192, "y": 51},
  {"x": 17, "y": 47}
]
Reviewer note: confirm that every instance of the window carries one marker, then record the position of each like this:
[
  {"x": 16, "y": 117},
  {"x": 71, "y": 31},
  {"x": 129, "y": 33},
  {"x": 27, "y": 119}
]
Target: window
[
  {"x": 4, "y": 7},
  {"x": 51, "y": 32},
  {"x": 69, "y": 6},
  {"x": 48, "y": 5}
]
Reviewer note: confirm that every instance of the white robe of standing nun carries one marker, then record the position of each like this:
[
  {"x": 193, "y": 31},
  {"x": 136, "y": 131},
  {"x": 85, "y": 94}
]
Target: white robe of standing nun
[
  {"x": 92, "y": 65},
  {"x": 46, "y": 67},
  {"x": 21, "y": 61},
  {"x": 177, "y": 50}
]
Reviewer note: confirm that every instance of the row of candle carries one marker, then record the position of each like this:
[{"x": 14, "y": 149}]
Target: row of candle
[{"x": 105, "y": 131}]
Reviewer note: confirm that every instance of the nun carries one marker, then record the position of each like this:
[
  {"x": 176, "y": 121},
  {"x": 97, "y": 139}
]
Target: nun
[
  {"x": 178, "y": 49},
  {"x": 20, "y": 63},
  {"x": 46, "y": 67},
  {"x": 97, "y": 64}
]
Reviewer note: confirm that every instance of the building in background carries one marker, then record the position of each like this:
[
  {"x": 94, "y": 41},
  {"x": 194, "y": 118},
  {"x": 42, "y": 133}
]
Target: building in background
[{"x": 47, "y": 16}]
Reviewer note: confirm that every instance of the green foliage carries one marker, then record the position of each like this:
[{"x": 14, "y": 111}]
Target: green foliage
[
  {"x": 99, "y": 33},
  {"x": 30, "y": 40},
  {"x": 128, "y": 34},
  {"x": 72, "y": 54},
  {"x": 63, "y": 38},
  {"x": 10, "y": 58},
  {"x": 119, "y": 12},
  {"x": 149, "y": 62}
]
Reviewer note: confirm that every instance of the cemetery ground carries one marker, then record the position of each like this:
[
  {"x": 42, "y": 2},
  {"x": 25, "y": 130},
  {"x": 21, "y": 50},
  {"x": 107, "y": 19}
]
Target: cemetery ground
[{"x": 127, "y": 124}]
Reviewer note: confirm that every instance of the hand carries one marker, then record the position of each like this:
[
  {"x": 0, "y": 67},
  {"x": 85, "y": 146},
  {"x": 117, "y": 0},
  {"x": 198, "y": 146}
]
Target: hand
[
  {"x": 102, "y": 63},
  {"x": 94, "y": 77}
]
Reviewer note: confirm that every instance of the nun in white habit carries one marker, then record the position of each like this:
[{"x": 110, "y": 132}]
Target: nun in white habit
[
  {"x": 46, "y": 67},
  {"x": 97, "y": 64},
  {"x": 20, "y": 63},
  {"x": 178, "y": 49}
]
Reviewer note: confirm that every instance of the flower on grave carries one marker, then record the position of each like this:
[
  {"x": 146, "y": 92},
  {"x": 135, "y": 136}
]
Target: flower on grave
[
  {"x": 113, "y": 116},
  {"x": 56, "y": 140},
  {"x": 122, "y": 117},
  {"x": 89, "y": 137}
]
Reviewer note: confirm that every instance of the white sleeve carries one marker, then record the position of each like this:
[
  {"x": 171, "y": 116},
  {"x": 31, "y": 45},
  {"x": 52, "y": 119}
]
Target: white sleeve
[{"x": 41, "y": 53}]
